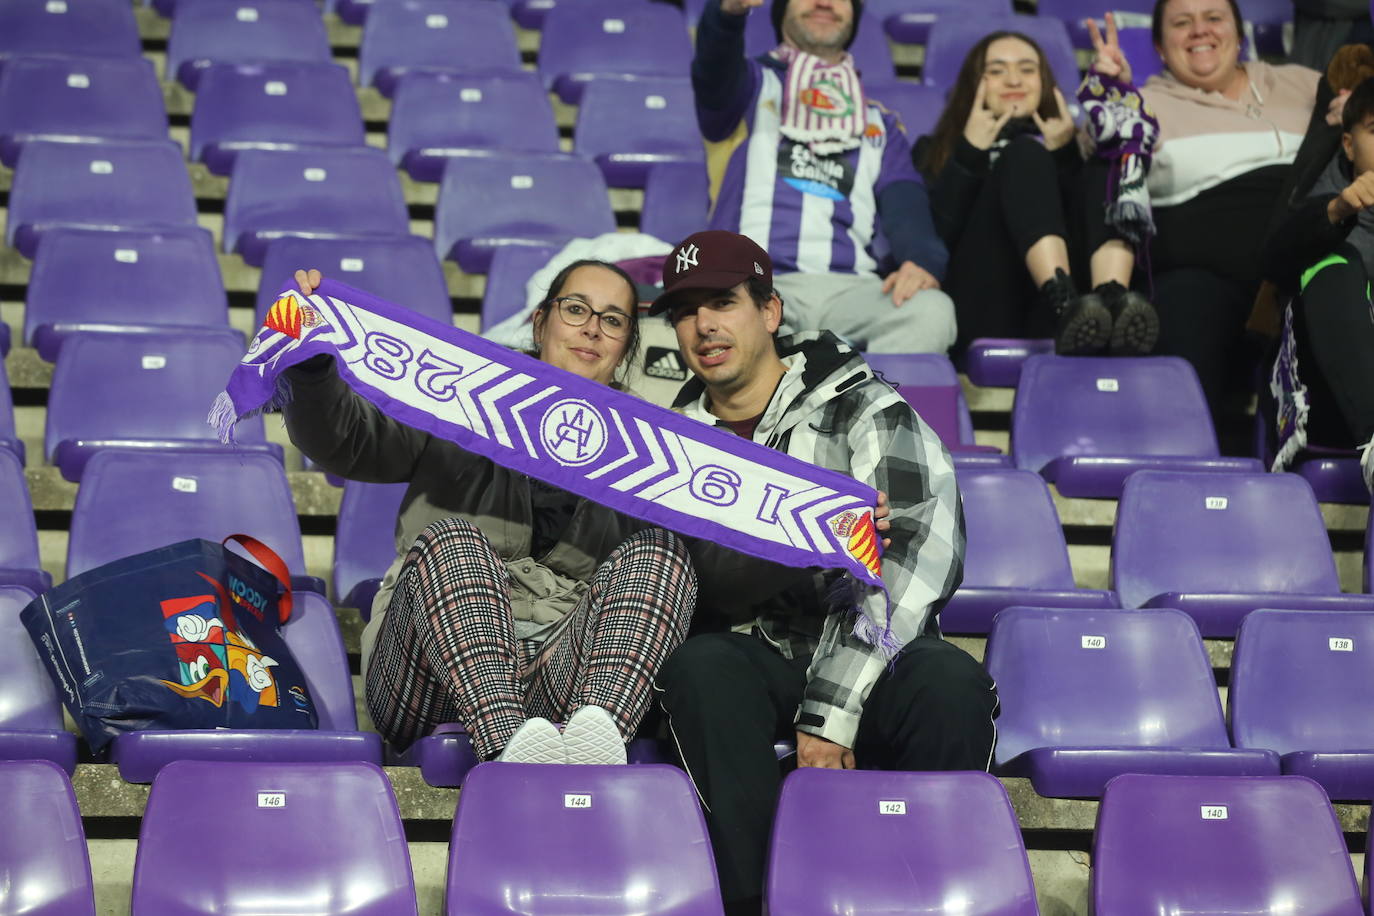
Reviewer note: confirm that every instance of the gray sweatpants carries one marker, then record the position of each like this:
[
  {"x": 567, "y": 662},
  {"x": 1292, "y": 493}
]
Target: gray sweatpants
[{"x": 855, "y": 307}]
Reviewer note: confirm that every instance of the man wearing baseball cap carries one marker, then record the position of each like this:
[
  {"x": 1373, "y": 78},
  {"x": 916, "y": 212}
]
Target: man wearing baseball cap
[
  {"x": 803, "y": 161},
  {"x": 773, "y": 656}
]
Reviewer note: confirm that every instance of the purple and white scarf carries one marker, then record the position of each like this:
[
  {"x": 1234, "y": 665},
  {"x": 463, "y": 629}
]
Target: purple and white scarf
[
  {"x": 1125, "y": 132},
  {"x": 823, "y": 104},
  {"x": 609, "y": 447}
]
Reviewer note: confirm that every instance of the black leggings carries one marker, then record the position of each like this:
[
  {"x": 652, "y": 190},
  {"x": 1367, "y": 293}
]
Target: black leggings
[{"x": 1335, "y": 337}]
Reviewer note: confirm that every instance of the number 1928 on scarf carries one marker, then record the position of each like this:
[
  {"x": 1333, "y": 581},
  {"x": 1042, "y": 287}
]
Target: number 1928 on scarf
[{"x": 573, "y": 433}]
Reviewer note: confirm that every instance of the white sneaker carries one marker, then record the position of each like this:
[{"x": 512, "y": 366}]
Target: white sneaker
[
  {"x": 537, "y": 741},
  {"x": 1367, "y": 464},
  {"x": 591, "y": 736}
]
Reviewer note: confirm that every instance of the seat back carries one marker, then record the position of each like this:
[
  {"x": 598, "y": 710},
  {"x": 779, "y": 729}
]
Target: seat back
[
  {"x": 1113, "y": 678},
  {"x": 919, "y": 106},
  {"x": 1015, "y": 539},
  {"x": 314, "y": 838},
  {"x": 869, "y": 841},
  {"x": 239, "y": 31},
  {"x": 511, "y": 270},
  {"x": 631, "y": 838},
  {"x": 28, "y": 699},
  {"x": 88, "y": 28},
  {"x": 1219, "y": 533},
  {"x": 1303, "y": 681},
  {"x": 365, "y": 539},
  {"x": 917, "y": 371},
  {"x": 676, "y": 195},
  {"x": 622, "y": 37},
  {"x": 951, "y": 37},
  {"x": 1068, "y": 406},
  {"x": 19, "y": 534},
  {"x": 407, "y": 36},
  {"x": 43, "y": 853},
  {"x": 627, "y": 125},
  {"x": 1265, "y": 845}
]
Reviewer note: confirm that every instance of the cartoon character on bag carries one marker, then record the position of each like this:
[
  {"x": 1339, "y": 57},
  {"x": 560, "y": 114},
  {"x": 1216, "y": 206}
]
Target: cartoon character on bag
[{"x": 217, "y": 660}]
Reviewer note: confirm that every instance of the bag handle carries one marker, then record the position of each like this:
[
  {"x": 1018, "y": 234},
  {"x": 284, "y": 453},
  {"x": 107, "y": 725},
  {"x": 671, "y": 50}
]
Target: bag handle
[{"x": 267, "y": 558}]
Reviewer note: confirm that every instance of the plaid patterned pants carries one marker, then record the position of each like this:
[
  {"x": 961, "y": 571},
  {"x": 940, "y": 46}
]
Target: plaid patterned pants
[{"x": 447, "y": 651}]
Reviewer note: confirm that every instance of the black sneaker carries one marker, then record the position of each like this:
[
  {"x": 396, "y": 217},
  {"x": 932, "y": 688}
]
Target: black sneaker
[
  {"x": 1135, "y": 323},
  {"x": 1082, "y": 324}
]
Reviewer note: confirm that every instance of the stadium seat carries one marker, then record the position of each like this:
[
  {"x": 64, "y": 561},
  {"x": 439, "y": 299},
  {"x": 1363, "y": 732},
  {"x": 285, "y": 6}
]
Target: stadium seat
[
  {"x": 415, "y": 36},
  {"x": 1138, "y": 44},
  {"x": 675, "y": 201},
  {"x": 919, "y": 106},
  {"x": 1075, "y": 14},
  {"x": 632, "y": 838},
  {"x": 20, "y": 563},
  {"x": 1265, "y": 19},
  {"x": 1334, "y": 474},
  {"x": 627, "y": 126},
  {"x": 1302, "y": 684},
  {"x": 435, "y": 117},
  {"x": 9, "y": 437},
  {"x": 869, "y": 841},
  {"x": 66, "y": 99},
  {"x": 872, "y": 56},
  {"x": 148, "y": 391},
  {"x": 995, "y": 362},
  {"x": 365, "y": 541},
  {"x": 930, "y": 384},
  {"x": 510, "y": 271},
  {"x": 1016, "y": 552},
  {"x": 1086, "y": 423},
  {"x": 517, "y": 199},
  {"x": 309, "y": 839},
  {"x": 243, "y": 31},
  {"x": 621, "y": 38},
  {"x": 89, "y": 279},
  {"x": 952, "y": 36},
  {"x": 273, "y": 105},
  {"x": 45, "y": 862},
  {"x": 1215, "y": 844},
  {"x": 910, "y": 21},
  {"x": 1220, "y": 545},
  {"x": 1087, "y": 695},
  {"x": 402, "y": 270},
  {"x": 68, "y": 28},
  {"x": 327, "y": 193},
  {"x": 30, "y": 710},
  {"x": 109, "y": 185}
]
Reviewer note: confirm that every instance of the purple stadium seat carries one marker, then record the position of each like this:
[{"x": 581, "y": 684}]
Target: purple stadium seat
[
  {"x": 19, "y": 559},
  {"x": 9, "y": 437},
  {"x": 89, "y": 279},
  {"x": 66, "y": 99},
  {"x": 930, "y": 385},
  {"x": 1087, "y": 695},
  {"x": 996, "y": 362},
  {"x": 675, "y": 201},
  {"x": 627, "y": 126},
  {"x": 1220, "y": 545},
  {"x": 511, "y": 269},
  {"x": 951, "y": 38},
  {"x": 437, "y": 116},
  {"x": 149, "y": 391},
  {"x": 1075, "y": 14},
  {"x": 272, "y": 105},
  {"x": 917, "y": 104},
  {"x": 30, "y": 710},
  {"x": 1334, "y": 474},
  {"x": 1016, "y": 552},
  {"x": 402, "y": 270},
  {"x": 618, "y": 38},
  {"x": 45, "y": 862},
  {"x": 631, "y": 838},
  {"x": 365, "y": 541},
  {"x": 1216, "y": 844},
  {"x": 1139, "y": 47},
  {"x": 110, "y": 185},
  {"x": 1266, "y": 19},
  {"x": 414, "y": 36},
  {"x": 1086, "y": 423},
  {"x": 68, "y": 28},
  {"x": 910, "y": 21},
  {"x": 321, "y": 193},
  {"x": 1302, "y": 685},
  {"x": 868, "y": 841},
  {"x": 241, "y": 31},
  {"x": 517, "y": 199},
  {"x": 309, "y": 839},
  {"x": 872, "y": 56}
]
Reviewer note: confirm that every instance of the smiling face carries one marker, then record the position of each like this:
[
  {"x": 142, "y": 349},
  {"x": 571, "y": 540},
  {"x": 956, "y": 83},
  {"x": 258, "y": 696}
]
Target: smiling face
[
  {"x": 1200, "y": 43},
  {"x": 585, "y": 350},
  {"x": 1011, "y": 69},
  {"x": 725, "y": 337},
  {"x": 820, "y": 27}
]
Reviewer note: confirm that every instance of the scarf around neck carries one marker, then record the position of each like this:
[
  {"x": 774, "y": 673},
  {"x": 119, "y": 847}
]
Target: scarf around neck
[
  {"x": 584, "y": 437},
  {"x": 823, "y": 104}
]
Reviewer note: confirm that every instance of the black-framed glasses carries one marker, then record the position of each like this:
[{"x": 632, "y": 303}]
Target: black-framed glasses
[{"x": 575, "y": 313}]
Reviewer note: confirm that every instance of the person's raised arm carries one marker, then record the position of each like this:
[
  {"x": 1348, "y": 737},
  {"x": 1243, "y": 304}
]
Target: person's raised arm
[{"x": 722, "y": 81}]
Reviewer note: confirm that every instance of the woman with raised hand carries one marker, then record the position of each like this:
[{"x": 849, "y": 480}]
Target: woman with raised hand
[
  {"x": 1005, "y": 175},
  {"x": 511, "y": 604}
]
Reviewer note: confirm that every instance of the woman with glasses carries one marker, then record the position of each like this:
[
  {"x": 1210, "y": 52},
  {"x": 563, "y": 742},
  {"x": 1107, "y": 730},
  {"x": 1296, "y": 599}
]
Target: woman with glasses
[{"x": 511, "y": 604}]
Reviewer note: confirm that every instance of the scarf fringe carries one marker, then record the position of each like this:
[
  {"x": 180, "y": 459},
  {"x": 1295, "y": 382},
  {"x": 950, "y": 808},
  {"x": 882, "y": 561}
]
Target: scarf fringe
[
  {"x": 224, "y": 416},
  {"x": 843, "y": 596}
]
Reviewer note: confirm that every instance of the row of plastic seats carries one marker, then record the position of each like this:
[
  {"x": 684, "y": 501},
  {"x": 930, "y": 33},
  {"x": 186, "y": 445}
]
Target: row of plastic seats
[{"x": 329, "y": 839}]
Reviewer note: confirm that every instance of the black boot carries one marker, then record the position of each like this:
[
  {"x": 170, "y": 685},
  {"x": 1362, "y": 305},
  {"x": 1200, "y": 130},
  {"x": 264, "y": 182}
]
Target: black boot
[
  {"x": 1082, "y": 324},
  {"x": 1135, "y": 323}
]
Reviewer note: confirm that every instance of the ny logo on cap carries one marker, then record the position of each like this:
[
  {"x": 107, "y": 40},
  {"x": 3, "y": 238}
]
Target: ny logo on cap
[
  {"x": 757, "y": 269},
  {"x": 687, "y": 257}
]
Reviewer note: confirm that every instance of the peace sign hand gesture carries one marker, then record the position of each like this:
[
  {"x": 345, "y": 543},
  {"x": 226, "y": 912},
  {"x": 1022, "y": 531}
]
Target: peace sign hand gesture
[
  {"x": 1057, "y": 129},
  {"x": 983, "y": 126},
  {"x": 1109, "y": 60}
]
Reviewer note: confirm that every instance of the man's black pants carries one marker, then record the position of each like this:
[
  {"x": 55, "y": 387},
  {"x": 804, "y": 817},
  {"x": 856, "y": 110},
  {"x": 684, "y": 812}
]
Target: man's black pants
[{"x": 729, "y": 695}]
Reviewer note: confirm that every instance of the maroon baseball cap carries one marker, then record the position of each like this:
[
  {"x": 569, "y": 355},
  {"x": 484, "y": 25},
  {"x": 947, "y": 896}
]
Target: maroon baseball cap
[{"x": 714, "y": 259}]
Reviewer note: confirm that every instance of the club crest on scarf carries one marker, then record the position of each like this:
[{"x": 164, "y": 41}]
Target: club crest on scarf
[
  {"x": 859, "y": 536},
  {"x": 291, "y": 316},
  {"x": 827, "y": 100}
]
